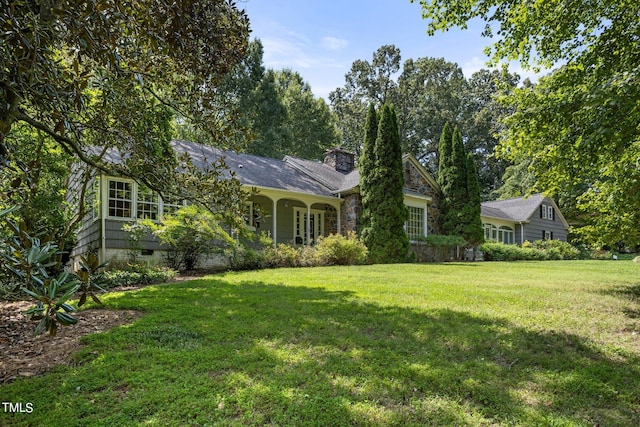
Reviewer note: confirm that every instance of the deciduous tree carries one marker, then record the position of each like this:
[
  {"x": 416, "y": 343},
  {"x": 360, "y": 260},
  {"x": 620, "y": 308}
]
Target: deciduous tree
[
  {"x": 112, "y": 73},
  {"x": 580, "y": 124}
]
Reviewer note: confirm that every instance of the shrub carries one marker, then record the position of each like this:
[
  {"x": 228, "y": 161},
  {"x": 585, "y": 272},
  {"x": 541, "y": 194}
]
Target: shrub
[
  {"x": 135, "y": 275},
  {"x": 339, "y": 250},
  {"x": 557, "y": 249},
  {"x": 493, "y": 251},
  {"x": 190, "y": 235},
  {"x": 283, "y": 256}
]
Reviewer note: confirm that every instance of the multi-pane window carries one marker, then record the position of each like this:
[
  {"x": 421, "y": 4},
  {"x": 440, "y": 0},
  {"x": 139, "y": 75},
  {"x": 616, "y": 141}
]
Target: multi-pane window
[
  {"x": 316, "y": 223},
  {"x": 501, "y": 234},
  {"x": 120, "y": 199},
  {"x": 147, "y": 206},
  {"x": 506, "y": 235},
  {"x": 169, "y": 206},
  {"x": 547, "y": 212},
  {"x": 129, "y": 200},
  {"x": 415, "y": 223}
]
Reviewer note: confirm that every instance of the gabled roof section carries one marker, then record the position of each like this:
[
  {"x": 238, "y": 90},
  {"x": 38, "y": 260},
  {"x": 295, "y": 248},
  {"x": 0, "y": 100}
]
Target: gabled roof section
[
  {"x": 519, "y": 209},
  {"x": 338, "y": 182},
  {"x": 421, "y": 169},
  {"x": 253, "y": 170}
]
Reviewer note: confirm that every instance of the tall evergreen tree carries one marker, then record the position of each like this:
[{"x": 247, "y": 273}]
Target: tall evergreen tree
[
  {"x": 387, "y": 240},
  {"x": 455, "y": 187},
  {"x": 366, "y": 164},
  {"x": 458, "y": 179},
  {"x": 472, "y": 223},
  {"x": 444, "y": 165}
]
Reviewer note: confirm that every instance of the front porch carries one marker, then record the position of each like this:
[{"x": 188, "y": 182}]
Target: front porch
[{"x": 293, "y": 218}]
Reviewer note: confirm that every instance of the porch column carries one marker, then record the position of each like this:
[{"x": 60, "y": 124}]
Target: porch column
[
  {"x": 338, "y": 213},
  {"x": 274, "y": 220},
  {"x": 308, "y": 224}
]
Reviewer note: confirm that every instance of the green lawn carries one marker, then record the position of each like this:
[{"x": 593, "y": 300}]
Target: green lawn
[{"x": 528, "y": 343}]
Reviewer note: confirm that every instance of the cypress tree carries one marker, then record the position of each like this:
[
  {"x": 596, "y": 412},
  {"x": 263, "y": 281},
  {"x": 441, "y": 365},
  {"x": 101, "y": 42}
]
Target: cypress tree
[
  {"x": 387, "y": 241},
  {"x": 366, "y": 164},
  {"x": 444, "y": 154},
  {"x": 444, "y": 166},
  {"x": 472, "y": 232},
  {"x": 455, "y": 188}
]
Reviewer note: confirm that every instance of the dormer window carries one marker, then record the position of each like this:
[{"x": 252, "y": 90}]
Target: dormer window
[{"x": 546, "y": 212}]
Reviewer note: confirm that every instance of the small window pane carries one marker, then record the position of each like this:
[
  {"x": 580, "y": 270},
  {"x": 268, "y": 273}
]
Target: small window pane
[
  {"x": 120, "y": 199},
  {"x": 415, "y": 223}
]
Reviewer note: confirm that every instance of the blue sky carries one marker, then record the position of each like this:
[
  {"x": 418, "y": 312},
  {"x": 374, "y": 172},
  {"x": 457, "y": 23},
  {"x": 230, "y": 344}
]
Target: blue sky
[{"x": 321, "y": 38}]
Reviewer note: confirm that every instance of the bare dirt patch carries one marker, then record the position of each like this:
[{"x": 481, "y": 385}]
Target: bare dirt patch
[{"x": 26, "y": 355}]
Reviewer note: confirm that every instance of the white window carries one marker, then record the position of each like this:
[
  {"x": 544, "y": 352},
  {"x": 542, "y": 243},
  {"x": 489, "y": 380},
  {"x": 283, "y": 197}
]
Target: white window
[
  {"x": 547, "y": 235},
  {"x": 147, "y": 203},
  {"x": 506, "y": 235},
  {"x": 170, "y": 206},
  {"x": 316, "y": 222},
  {"x": 120, "y": 199},
  {"x": 94, "y": 198},
  {"x": 546, "y": 212},
  {"x": 415, "y": 224}
]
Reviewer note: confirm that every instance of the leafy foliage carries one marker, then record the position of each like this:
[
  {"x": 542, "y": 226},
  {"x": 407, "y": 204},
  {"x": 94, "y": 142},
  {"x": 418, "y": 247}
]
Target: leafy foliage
[
  {"x": 427, "y": 94},
  {"x": 190, "y": 235},
  {"x": 337, "y": 249},
  {"x": 537, "y": 251},
  {"x": 135, "y": 275},
  {"x": 579, "y": 124},
  {"x": 279, "y": 110},
  {"x": 113, "y": 74},
  {"x": 29, "y": 260}
]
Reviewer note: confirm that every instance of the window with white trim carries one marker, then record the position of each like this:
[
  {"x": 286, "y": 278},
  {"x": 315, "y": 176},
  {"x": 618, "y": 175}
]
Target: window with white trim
[
  {"x": 169, "y": 206},
  {"x": 120, "y": 199},
  {"x": 94, "y": 198},
  {"x": 547, "y": 212},
  {"x": 147, "y": 203},
  {"x": 506, "y": 235},
  {"x": 415, "y": 223},
  {"x": 300, "y": 225}
]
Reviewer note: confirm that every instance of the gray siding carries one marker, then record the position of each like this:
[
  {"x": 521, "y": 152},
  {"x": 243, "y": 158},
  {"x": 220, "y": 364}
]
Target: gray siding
[
  {"x": 117, "y": 238},
  {"x": 88, "y": 235},
  {"x": 537, "y": 225}
]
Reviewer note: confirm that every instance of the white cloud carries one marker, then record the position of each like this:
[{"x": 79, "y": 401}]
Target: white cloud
[
  {"x": 474, "y": 65},
  {"x": 333, "y": 43}
]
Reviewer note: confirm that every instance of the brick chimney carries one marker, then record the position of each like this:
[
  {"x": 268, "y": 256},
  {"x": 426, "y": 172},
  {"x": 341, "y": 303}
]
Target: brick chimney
[{"x": 339, "y": 159}]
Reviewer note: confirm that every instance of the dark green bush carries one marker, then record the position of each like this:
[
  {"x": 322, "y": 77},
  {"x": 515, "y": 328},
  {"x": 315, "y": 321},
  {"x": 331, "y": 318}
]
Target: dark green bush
[
  {"x": 493, "y": 251},
  {"x": 135, "y": 275},
  {"x": 557, "y": 249}
]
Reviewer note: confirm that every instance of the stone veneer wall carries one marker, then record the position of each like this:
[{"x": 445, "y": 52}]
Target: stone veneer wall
[
  {"x": 330, "y": 220},
  {"x": 351, "y": 213},
  {"x": 414, "y": 181}
]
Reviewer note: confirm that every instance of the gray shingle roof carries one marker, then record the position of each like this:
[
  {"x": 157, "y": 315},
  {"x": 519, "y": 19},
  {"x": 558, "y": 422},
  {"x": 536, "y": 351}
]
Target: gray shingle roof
[
  {"x": 254, "y": 170},
  {"x": 517, "y": 209},
  {"x": 331, "y": 178}
]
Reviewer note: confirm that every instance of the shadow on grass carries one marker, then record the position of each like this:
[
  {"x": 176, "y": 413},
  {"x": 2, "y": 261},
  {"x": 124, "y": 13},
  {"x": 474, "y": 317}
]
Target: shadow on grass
[{"x": 258, "y": 354}]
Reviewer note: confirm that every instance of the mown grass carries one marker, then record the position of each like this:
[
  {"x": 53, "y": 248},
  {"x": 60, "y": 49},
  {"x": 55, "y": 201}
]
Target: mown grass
[{"x": 531, "y": 343}]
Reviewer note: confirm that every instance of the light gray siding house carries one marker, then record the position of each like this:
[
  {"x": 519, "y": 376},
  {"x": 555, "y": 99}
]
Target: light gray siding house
[
  {"x": 516, "y": 220},
  {"x": 297, "y": 200}
]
